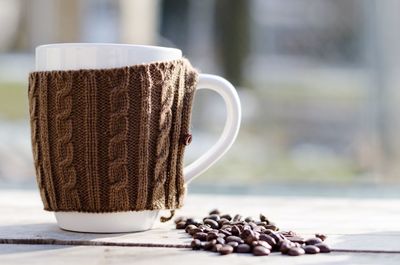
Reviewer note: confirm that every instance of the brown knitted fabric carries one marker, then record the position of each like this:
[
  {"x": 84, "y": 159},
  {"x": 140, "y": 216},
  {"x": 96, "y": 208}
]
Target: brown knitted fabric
[{"x": 107, "y": 140}]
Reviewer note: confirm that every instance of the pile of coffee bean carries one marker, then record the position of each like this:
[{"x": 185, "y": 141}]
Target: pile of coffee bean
[{"x": 225, "y": 234}]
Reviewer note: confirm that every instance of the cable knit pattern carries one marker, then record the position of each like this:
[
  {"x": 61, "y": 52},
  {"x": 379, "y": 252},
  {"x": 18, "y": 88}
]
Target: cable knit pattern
[
  {"x": 117, "y": 149},
  {"x": 44, "y": 141},
  {"x": 65, "y": 150},
  {"x": 33, "y": 111},
  {"x": 165, "y": 123},
  {"x": 144, "y": 134},
  {"x": 108, "y": 140}
]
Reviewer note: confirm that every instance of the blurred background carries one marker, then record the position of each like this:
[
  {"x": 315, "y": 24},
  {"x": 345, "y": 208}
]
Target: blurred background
[{"x": 318, "y": 80}]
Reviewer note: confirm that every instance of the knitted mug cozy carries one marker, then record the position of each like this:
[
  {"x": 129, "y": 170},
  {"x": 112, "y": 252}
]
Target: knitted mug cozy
[{"x": 109, "y": 140}]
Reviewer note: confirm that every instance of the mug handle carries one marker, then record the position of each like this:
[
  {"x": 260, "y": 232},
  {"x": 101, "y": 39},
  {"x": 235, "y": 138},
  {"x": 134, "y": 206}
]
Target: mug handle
[{"x": 231, "y": 129}]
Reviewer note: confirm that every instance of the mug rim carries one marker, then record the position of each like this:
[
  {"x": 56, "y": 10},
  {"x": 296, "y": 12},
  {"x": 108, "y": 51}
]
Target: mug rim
[{"x": 104, "y": 44}]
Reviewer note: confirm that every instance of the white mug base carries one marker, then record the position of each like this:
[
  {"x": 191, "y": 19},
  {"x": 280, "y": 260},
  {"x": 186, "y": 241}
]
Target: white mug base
[{"x": 119, "y": 222}]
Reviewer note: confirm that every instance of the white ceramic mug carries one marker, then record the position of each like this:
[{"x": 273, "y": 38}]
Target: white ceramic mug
[{"x": 74, "y": 56}]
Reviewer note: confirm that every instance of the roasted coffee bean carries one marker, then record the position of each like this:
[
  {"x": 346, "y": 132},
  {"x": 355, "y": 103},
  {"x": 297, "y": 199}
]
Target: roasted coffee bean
[
  {"x": 267, "y": 238},
  {"x": 216, "y": 247},
  {"x": 261, "y": 251},
  {"x": 189, "y": 228},
  {"x": 226, "y": 227},
  {"x": 313, "y": 241},
  {"x": 225, "y": 232},
  {"x": 195, "y": 231},
  {"x": 261, "y": 243},
  {"x": 191, "y": 221},
  {"x": 268, "y": 231},
  {"x": 220, "y": 240},
  {"x": 246, "y": 233},
  {"x": 180, "y": 219},
  {"x": 223, "y": 221},
  {"x": 181, "y": 225},
  {"x": 237, "y": 218},
  {"x": 235, "y": 230},
  {"x": 296, "y": 251},
  {"x": 209, "y": 245},
  {"x": 321, "y": 236},
  {"x": 249, "y": 240},
  {"x": 226, "y": 216},
  {"x": 263, "y": 218},
  {"x": 225, "y": 250},
  {"x": 200, "y": 236},
  {"x": 310, "y": 249},
  {"x": 215, "y": 211},
  {"x": 234, "y": 239},
  {"x": 271, "y": 227},
  {"x": 248, "y": 219},
  {"x": 296, "y": 239},
  {"x": 214, "y": 217},
  {"x": 212, "y": 235},
  {"x": 233, "y": 244},
  {"x": 221, "y": 235},
  {"x": 323, "y": 248},
  {"x": 252, "y": 225},
  {"x": 243, "y": 248},
  {"x": 213, "y": 224},
  {"x": 285, "y": 246},
  {"x": 196, "y": 244}
]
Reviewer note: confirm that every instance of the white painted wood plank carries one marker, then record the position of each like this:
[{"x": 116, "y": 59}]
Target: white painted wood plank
[{"x": 21, "y": 254}]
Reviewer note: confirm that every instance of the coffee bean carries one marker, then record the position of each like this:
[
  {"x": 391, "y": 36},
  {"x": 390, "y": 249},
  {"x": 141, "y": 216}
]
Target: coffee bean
[
  {"x": 189, "y": 228},
  {"x": 223, "y": 221},
  {"x": 191, "y": 221},
  {"x": 285, "y": 246},
  {"x": 310, "y": 249},
  {"x": 181, "y": 225},
  {"x": 212, "y": 235},
  {"x": 200, "y": 236},
  {"x": 233, "y": 244},
  {"x": 225, "y": 232},
  {"x": 195, "y": 231},
  {"x": 234, "y": 238},
  {"x": 296, "y": 251},
  {"x": 215, "y": 211},
  {"x": 209, "y": 245},
  {"x": 225, "y": 250},
  {"x": 235, "y": 230},
  {"x": 321, "y": 236},
  {"x": 221, "y": 235},
  {"x": 243, "y": 248},
  {"x": 213, "y": 224},
  {"x": 261, "y": 243},
  {"x": 220, "y": 240},
  {"x": 261, "y": 251},
  {"x": 214, "y": 217},
  {"x": 249, "y": 240},
  {"x": 267, "y": 238},
  {"x": 196, "y": 244},
  {"x": 180, "y": 219},
  {"x": 216, "y": 247},
  {"x": 271, "y": 227},
  {"x": 226, "y": 216},
  {"x": 263, "y": 218},
  {"x": 237, "y": 218},
  {"x": 296, "y": 239},
  {"x": 249, "y": 219},
  {"x": 313, "y": 241},
  {"x": 246, "y": 233},
  {"x": 323, "y": 248}
]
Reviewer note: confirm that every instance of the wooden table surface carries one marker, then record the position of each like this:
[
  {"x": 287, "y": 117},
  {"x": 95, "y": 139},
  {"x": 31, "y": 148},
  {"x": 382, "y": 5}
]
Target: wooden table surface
[{"x": 366, "y": 230}]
